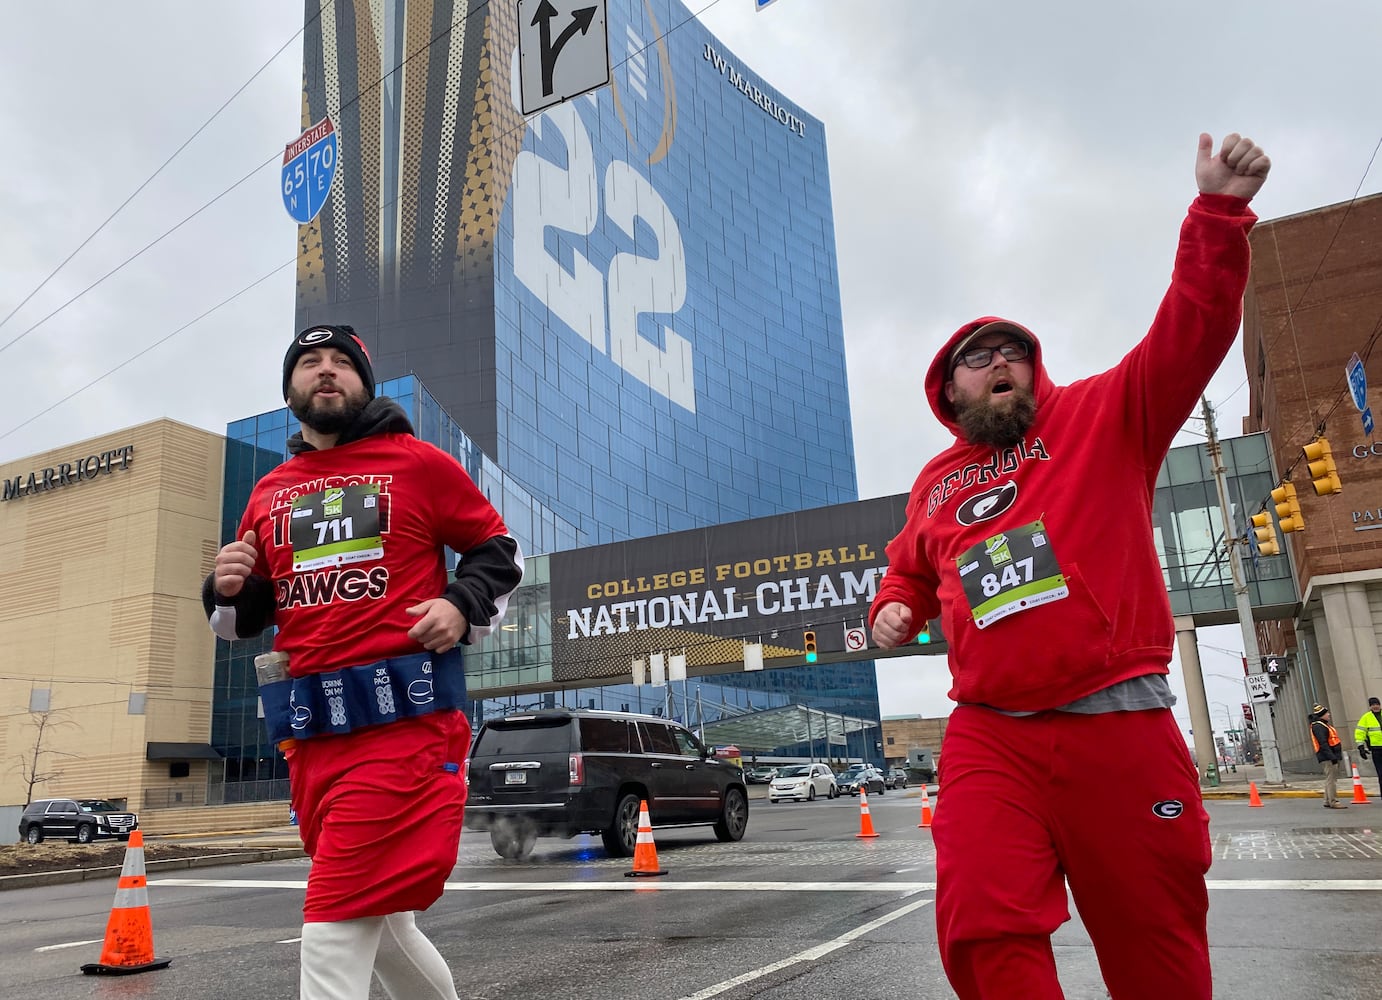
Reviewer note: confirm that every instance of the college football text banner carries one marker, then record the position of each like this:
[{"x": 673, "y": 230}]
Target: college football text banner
[{"x": 705, "y": 592}]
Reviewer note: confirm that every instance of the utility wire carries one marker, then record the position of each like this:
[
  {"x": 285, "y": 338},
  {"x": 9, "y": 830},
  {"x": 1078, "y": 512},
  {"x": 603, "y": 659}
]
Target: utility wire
[
  {"x": 1321, "y": 423},
  {"x": 135, "y": 256},
  {"x": 148, "y": 180},
  {"x": 100, "y": 378},
  {"x": 1292, "y": 309},
  {"x": 242, "y": 180},
  {"x": 149, "y": 246}
]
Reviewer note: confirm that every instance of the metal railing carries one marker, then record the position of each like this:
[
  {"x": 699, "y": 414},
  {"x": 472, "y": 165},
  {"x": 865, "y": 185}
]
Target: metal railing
[{"x": 215, "y": 793}]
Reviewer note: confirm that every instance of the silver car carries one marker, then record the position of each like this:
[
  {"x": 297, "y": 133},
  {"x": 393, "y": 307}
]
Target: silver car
[{"x": 802, "y": 783}]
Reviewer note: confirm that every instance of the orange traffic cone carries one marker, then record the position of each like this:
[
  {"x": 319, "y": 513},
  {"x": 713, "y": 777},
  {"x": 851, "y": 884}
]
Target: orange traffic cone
[
  {"x": 865, "y": 820},
  {"x": 925, "y": 809},
  {"x": 645, "y": 851},
  {"x": 129, "y": 945},
  {"x": 1253, "y": 800},
  {"x": 1358, "y": 797}
]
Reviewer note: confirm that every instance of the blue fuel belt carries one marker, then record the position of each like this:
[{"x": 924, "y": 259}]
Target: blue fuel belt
[{"x": 341, "y": 701}]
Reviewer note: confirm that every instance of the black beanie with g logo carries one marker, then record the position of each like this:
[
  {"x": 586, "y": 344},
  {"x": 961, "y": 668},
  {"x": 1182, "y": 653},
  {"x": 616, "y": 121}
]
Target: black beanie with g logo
[{"x": 342, "y": 338}]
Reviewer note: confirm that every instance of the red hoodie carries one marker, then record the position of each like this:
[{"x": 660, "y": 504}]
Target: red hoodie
[{"x": 1086, "y": 470}]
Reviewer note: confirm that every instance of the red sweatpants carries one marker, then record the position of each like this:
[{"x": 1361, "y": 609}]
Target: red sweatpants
[
  {"x": 1108, "y": 803},
  {"x": 380, "y": 815}
]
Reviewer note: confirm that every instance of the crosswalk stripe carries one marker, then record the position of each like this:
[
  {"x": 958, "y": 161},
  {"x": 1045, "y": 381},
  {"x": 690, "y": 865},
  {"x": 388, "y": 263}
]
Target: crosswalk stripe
[{"x": 1215, "y": 885}]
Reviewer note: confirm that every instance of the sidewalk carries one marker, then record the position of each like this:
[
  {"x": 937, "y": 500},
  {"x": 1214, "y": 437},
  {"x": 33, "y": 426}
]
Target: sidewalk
[
  {"x": 1293, "y": 786},
  {"x": 227, "y": 848},
  {"x": 284, "y": 837}
]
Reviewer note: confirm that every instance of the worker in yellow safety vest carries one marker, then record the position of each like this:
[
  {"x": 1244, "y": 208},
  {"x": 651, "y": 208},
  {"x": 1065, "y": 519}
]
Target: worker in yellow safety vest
[{"x": 1368, "y": 736}]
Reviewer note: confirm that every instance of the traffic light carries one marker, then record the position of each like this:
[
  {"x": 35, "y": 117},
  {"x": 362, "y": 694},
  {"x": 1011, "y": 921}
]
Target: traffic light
[
  {"x": 1267, "y": 543},
  {"x": 809, "y": 637},
  {"x": 1287, "y": 508},
  {"x": 1322, "y": 468}
]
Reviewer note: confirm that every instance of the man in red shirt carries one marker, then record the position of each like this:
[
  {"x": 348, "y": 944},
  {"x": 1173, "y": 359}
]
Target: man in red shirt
[
  {"x": 1030, "y": 537},
  {"x": 342, "y": 548}
]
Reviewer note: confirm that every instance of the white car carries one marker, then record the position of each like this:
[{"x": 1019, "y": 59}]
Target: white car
[{"x": 803, "y": 782}]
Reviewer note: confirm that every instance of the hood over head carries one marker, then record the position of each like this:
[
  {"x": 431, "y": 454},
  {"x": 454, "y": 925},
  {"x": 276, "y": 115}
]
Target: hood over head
[{"x": 939, "y": 373}]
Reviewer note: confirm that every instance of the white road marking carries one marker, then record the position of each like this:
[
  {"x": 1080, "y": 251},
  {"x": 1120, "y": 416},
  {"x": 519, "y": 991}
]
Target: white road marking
[
  {"x": 809, "y": 955},
  {"x": 69, "y": 944},
  {"x": 623, "y": 885},
  {"x": 646, "y": 885},
  {"x": 1287, "y": 884}
]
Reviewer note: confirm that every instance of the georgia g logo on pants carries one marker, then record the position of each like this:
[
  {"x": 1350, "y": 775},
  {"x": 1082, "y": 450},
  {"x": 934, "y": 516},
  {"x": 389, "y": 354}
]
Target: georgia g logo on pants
[{"x": 1168, "y": 808}]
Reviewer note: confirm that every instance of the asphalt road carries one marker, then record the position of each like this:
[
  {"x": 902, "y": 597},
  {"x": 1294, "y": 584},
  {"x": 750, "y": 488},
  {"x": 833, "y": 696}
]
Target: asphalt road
[{"x": 802, "y": 909}]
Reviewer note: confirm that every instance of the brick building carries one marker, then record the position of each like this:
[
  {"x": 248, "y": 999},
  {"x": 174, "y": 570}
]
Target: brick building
[
  {"x": 1314, "y": 300},
  {"x": 904, "y": 733}
]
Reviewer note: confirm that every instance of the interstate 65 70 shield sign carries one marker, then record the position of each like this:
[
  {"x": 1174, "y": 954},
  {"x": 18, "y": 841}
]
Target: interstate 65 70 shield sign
[{"x": 309, "y": 167}]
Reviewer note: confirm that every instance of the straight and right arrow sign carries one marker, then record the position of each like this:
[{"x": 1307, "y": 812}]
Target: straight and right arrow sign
[{"x": 563, "y": 51}]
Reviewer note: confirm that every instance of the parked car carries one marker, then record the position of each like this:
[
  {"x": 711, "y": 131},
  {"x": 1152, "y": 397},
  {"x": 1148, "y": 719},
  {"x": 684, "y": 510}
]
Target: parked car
[
  {"x": 869, "y": 777},
  {"x": 802, "y": 782},
  {"x": 847, "y": 776},
  {"x": 561, "y": 772},
  {"x": 897, "y": 778},
  {"x": 760, "y": 775},
  {"x": 120, "y": 822},
  {"x": 81, "y": 820}
]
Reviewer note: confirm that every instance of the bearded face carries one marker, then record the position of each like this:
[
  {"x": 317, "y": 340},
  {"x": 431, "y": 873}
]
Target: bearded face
[
  {"x": 327, "y": 407},
  {"x": 999, "y": 418},
  {"x": 991, "y": 390}
]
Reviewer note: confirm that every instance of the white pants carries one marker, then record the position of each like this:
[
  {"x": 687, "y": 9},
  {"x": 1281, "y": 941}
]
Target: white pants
[{"x": 337, "y": 959}]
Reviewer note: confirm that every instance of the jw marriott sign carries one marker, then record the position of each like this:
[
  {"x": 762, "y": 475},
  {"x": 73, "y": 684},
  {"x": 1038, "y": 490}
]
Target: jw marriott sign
[{"x": 67, "y": 473}]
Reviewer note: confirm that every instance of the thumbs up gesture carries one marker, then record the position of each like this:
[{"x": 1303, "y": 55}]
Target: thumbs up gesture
[
  {"x": 1239, "y": 169},
  {"x": 234, "y": 563}
]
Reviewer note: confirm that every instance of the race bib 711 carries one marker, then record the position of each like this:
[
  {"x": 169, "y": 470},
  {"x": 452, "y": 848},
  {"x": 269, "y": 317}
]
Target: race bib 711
[{"x": 336, "y": 526}]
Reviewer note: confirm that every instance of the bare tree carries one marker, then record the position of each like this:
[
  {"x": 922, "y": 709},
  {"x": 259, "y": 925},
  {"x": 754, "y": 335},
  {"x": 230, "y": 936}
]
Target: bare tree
[{"x": 35, "y": 765}]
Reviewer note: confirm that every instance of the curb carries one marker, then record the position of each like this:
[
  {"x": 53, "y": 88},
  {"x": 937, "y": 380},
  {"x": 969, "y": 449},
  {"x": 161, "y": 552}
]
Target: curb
[
  {"x": 1219, "y": 793},
  {"x": 224, "y": 834},
  {"x": 25, "y": 881}
]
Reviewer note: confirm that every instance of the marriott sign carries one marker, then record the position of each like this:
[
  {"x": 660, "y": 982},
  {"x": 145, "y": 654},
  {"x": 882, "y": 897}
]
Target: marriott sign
[{"x": 67, "y": 473}]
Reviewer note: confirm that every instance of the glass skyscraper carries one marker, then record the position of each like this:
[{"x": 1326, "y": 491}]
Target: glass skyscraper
[
  {"x": 626, "y": 306},
  {"x": 630, "y": 301}
]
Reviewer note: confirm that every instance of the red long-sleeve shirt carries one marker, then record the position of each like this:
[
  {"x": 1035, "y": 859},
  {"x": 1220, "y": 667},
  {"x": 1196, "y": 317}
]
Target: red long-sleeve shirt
[{"x": 1087, "y": 470}]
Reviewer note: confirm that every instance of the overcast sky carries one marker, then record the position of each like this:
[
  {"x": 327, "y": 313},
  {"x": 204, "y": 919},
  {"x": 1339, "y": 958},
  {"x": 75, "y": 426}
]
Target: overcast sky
[{"x": 1026, "y": 160}]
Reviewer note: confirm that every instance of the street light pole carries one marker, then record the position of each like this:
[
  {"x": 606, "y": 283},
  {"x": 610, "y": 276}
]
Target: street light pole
[
  {"x": 1266, "y": 730},
  {"x": 1230, "y": 751}
]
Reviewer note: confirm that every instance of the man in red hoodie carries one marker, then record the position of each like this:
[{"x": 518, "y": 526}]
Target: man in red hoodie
[{"x": 1031, "y": 538}]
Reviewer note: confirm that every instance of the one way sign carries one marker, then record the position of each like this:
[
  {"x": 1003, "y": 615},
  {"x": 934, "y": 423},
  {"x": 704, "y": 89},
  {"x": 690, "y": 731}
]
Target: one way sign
[{"x": 563, "y": 51}]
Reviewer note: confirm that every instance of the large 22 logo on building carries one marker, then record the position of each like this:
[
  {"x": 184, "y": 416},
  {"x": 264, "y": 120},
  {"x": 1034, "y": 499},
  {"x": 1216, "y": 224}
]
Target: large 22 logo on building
[{"x": 605, "y": 302}]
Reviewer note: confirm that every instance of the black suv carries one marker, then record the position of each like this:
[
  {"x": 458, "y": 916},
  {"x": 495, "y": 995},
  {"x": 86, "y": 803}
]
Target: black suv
[
  {"x": 80, "y": 820},
  {"x": 560, "y": 772}
]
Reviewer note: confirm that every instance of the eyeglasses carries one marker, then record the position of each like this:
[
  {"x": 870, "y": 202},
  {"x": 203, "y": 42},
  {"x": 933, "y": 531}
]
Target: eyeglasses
[{"x": 982, "y": 357}]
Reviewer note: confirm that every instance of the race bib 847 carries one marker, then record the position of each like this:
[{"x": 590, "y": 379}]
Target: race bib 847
[{"x": 1010, "y": 572}]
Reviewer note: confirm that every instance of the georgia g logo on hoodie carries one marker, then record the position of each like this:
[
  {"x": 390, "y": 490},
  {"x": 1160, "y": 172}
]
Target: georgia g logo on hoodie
[{"x": 987, "y": 505}]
